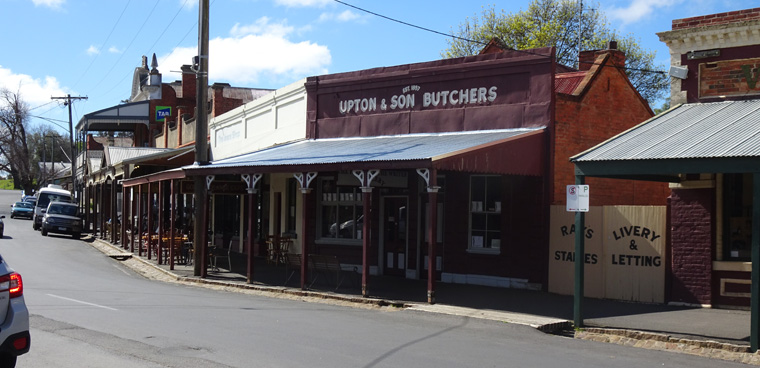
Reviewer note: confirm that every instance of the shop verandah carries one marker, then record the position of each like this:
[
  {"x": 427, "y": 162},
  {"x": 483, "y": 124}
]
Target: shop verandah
[{"x": 418, "y": 159}]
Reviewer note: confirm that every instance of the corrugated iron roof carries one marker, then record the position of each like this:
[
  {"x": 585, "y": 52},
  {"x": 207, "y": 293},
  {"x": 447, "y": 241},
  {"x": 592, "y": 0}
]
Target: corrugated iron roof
[
  {"x": 367, "y": 149},
  {"x": 117, "y": 155},
  {"x": 567, "y": 82},
  {"x": 700, "y": 130}
]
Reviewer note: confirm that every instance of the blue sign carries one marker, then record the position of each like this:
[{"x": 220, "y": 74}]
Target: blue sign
[{"x": 162, "y": 112}]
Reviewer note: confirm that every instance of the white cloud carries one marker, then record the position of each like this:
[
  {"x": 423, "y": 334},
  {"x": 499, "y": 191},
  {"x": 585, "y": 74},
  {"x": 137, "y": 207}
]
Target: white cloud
[
  {"x": 188, "y": 4},
  {"x": 303, "y": 3},
  {"x": 114, "y": 50},
  {"x": 254, "y": 54},
  {"x": 92, "y": 50},
  {"x": 639, "y": 9},
  {"x": 260, "y": 27},
  {"x": 345, "y": 16},
  {"x": 53, "y": 4},
  {"x": 35, "y": 92}
]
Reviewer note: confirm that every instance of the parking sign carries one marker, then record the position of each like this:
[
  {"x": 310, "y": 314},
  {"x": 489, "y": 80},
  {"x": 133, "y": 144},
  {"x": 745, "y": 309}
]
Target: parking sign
[{"x": 577, "y": 198}]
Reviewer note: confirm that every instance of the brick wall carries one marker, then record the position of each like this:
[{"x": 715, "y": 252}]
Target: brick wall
[
  {"x": 727, "y": 78},
  {"x": 691, "y": 237},
  {"x": 716, "y": 19},
  {"x": 609, "y": 106},
  {"x": 221, "y": 104}
]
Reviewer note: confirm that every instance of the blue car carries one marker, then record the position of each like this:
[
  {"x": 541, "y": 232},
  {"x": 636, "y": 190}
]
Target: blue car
[{"x": 22, "y": 209}]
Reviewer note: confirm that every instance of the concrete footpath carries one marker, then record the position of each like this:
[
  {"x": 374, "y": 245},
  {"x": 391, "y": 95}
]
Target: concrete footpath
[{"x": 714, "y": 333}]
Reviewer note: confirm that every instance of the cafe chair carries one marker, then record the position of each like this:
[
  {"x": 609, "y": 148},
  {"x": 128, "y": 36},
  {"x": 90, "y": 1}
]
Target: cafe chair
[{"x": 221, "y": 253}]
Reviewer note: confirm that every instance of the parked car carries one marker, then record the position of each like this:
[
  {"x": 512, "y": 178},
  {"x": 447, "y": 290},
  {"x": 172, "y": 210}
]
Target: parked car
[
  {"x": 31, "y": 199},
  {"x": 22, "y": 209},
  {"x": 14, "y": 317},
  {"x": 2, "y": 226},
  {"x": 50, "y": 193},
  {"x": 62, "y": 218}
]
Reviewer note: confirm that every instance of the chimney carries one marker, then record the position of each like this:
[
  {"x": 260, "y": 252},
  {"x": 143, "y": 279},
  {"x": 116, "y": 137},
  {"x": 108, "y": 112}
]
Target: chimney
[
  {"x": 188, "y": 82},
  {"x": 587, "y": 58}
]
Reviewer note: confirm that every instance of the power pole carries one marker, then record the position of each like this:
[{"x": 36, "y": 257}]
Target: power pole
[
  {"x": 201, "y": 145},
  {"x": 68, "y": 99}
]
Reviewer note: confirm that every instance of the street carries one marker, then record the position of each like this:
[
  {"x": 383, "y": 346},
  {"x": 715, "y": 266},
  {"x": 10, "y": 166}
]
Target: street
[{"x": 88, "y": 310}]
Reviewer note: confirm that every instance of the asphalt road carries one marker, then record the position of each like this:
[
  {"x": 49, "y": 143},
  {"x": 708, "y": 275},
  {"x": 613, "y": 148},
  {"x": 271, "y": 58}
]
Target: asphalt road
[{"x": 90, "y": 311}]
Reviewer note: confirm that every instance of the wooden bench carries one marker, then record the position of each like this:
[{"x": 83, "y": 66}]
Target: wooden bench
[{"x": 329, "y": 266}]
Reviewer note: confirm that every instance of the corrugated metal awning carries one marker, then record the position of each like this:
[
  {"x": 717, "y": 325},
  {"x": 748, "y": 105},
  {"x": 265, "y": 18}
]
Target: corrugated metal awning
[
  {"x": 719, "y": 137},
  {"x": 116, "y": 118},
  {"x": 506, "y": 151}
]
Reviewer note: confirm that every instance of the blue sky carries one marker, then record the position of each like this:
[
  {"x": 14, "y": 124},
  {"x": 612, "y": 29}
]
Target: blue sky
[{"x": 91, "y": 47}]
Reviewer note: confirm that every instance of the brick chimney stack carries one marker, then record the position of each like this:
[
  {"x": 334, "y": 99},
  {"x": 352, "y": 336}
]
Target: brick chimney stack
[
  {"x": 188, "y": 82},
  {"x": 587, "y": 58}
]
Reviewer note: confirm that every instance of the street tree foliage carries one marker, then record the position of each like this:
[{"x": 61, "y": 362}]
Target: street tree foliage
[
  {"x": 22, "y": 147},
  {"x": 566, "y": 26}
]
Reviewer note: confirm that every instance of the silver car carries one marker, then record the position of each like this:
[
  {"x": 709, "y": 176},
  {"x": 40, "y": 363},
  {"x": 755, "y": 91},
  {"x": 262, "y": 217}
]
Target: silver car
[{"x": 14, "y": 317}]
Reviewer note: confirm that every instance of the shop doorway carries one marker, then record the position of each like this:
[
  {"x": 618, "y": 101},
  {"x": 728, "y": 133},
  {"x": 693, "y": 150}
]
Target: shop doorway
[{"x": 395, "y": 234}]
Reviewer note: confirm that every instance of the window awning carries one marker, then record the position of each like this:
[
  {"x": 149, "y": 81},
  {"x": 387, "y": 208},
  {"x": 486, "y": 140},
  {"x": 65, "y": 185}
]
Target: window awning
[
  {"x": 718, "y": 137},
  {"x": 505, "y": 151},
  {"x": 116, "y": 118}
]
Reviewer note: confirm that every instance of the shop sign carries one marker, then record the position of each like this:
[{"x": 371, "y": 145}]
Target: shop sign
[
  {"x": 162, "y": 112},
  {"x": 624, "y": 252},
  {"x": 412, "y": 96}
]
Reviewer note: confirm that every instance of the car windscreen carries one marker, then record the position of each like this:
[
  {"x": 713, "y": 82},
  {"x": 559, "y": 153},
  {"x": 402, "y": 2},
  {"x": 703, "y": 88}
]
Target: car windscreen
[
  {"x": 24, "y": 205},
  {"x": 46, "y": 198},
  {"x": 62, "y": 210}
]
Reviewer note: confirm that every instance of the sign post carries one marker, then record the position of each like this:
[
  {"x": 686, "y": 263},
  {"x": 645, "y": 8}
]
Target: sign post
[{"x": 578, "y": 202}]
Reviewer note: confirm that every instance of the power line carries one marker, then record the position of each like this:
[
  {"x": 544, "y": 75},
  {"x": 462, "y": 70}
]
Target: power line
[
  {"x": 481, "y": 42},
  {"x": 53, "y": 121},
  {"x": 167, "y": 26},
  {"x": 408, "y": 24},
  {"x": 150, "y": 13},
  {"x": 103, "y": 45}
]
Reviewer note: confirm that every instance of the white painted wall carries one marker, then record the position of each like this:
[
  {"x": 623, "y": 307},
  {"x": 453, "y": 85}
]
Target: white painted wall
[{"x": 276, "y": 118}]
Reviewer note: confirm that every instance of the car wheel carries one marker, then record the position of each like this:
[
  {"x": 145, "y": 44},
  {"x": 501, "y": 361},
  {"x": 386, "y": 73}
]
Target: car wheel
[
  {"x": 44, "y": 232},
  {"x": 1, "y": 235},
  {"x": 11, "y": 215},
  {"x": 35, "y": 227},
  {"x": 7, "y": 360},
  {"x": 76, "y": 235}
]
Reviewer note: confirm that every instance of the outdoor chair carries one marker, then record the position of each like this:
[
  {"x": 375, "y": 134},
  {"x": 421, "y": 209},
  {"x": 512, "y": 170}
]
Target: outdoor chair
[{"x": 221, "y": 253}]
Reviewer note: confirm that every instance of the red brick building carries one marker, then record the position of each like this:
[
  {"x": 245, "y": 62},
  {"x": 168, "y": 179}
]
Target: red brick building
[{"x": 705, "y": 147}]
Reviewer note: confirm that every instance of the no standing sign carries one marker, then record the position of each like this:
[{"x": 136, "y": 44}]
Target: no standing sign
[{"x": 577, "y": 198}]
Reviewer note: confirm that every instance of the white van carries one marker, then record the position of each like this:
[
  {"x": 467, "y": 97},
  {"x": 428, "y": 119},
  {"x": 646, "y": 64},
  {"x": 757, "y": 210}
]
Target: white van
[{"x": 51, "y": 193}]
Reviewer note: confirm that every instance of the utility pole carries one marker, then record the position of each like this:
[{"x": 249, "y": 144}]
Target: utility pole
[
  {"x": 68, "y": 99},
  {"x": 201, "y": 144}
]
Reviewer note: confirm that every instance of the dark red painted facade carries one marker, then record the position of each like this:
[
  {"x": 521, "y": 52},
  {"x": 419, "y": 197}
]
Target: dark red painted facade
[{"x": 504, "y": 90}]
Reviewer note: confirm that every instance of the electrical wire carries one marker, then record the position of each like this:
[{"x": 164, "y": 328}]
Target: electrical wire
[
  {"x": 408, "y": 24},
  {"x": 103, "y": 45},
  {"x": 480, "y": 42},
  {"x": 150, "y": 13},
  {"x": 167, "y": 27}
]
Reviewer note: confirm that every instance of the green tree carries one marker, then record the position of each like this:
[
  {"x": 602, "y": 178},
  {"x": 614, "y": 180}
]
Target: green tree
[{"x": 567, "y": 27}]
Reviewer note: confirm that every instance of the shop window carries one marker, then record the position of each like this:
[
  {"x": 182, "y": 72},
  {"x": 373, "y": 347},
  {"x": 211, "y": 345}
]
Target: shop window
[
  {"x": 340, "y": 211},
  {"x": 485, "y": 214},
  {"x": 737, "y": 209}
]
